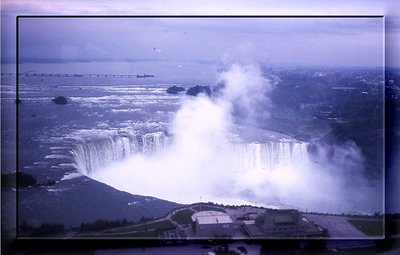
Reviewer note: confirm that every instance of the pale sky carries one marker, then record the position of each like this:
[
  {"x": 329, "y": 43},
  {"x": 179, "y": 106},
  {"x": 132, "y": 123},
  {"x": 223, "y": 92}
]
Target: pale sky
[{"x": 310, "y": 41}]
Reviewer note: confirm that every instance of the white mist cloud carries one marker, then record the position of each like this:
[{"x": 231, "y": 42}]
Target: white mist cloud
[
  {"x": 201, "y": 162},
  {"x": 247, "y": 88}
]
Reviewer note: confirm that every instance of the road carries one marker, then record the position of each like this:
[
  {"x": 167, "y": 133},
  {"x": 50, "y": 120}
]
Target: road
[{"x": 337, "y": 226}]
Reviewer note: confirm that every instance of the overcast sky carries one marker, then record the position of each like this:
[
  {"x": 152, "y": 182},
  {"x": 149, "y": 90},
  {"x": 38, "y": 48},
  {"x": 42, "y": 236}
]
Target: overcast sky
[
  {"x": 310, "y": 41},
  {"x": 315, "y": 41}
]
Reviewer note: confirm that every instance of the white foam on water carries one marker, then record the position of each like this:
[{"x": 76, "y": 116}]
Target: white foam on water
[
  {"x": 70, "y": 176},
  {"x": 58, "y": 148},
  {"x": 57, "y": 156},
  {"x": 126, "y": 110}
]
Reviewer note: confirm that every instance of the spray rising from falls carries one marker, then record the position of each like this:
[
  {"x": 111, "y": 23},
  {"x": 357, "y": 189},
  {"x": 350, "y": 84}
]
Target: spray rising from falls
[
  {"x": 206, "y": 157},
  {"x": 153, "y": 164}
]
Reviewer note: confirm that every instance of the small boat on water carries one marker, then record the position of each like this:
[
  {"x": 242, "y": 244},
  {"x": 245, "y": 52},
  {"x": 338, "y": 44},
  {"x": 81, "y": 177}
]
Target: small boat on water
[{"x": 145, "y": 76}]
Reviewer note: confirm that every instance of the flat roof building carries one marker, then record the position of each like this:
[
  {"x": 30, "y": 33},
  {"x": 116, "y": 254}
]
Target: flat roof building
[
  {"x": 282, "y": 223},
  {"x": 212, "y": 224}
]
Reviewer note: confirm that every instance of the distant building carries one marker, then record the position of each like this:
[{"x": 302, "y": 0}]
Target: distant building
[
  {"x": 282, "y": 223},
  {"x": 212, "y": 224}
]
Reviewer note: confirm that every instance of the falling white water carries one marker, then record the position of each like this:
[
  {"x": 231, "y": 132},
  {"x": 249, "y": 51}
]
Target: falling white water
[
  {"x": 200, "y": 160},
  {"x": 154, "y": 168},
  {"x": 95, "y": 155}
]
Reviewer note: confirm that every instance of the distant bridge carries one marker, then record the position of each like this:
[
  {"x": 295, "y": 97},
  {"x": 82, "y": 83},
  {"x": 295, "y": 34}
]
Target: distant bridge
[{"x": 81, "y": 75}]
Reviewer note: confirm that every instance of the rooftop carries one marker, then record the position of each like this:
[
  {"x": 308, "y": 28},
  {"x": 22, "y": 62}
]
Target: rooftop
[
  {"x": 273, "y": 218},
  {"x": 284, "y": 219},
  {"x": 211, "y": 217}
]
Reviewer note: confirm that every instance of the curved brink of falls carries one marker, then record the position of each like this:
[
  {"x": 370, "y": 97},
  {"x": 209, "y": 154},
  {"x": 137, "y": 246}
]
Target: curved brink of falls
[
  {"x": 148, "y": 165},
  {"x": 273, "y": 173},
  {"x": 95, "y": 155}
]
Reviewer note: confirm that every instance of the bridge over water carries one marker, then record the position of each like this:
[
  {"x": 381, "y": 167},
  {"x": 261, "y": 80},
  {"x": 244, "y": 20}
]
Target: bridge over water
[{"x": 81, "y": 75}]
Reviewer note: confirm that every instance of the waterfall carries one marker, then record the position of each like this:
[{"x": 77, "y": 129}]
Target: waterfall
[
  {"x": 154, "y": 142},
  {"x": 93, "y": 155},
  {"x": 269, "y": 155},
  {"x": 270, "y": 172}
]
